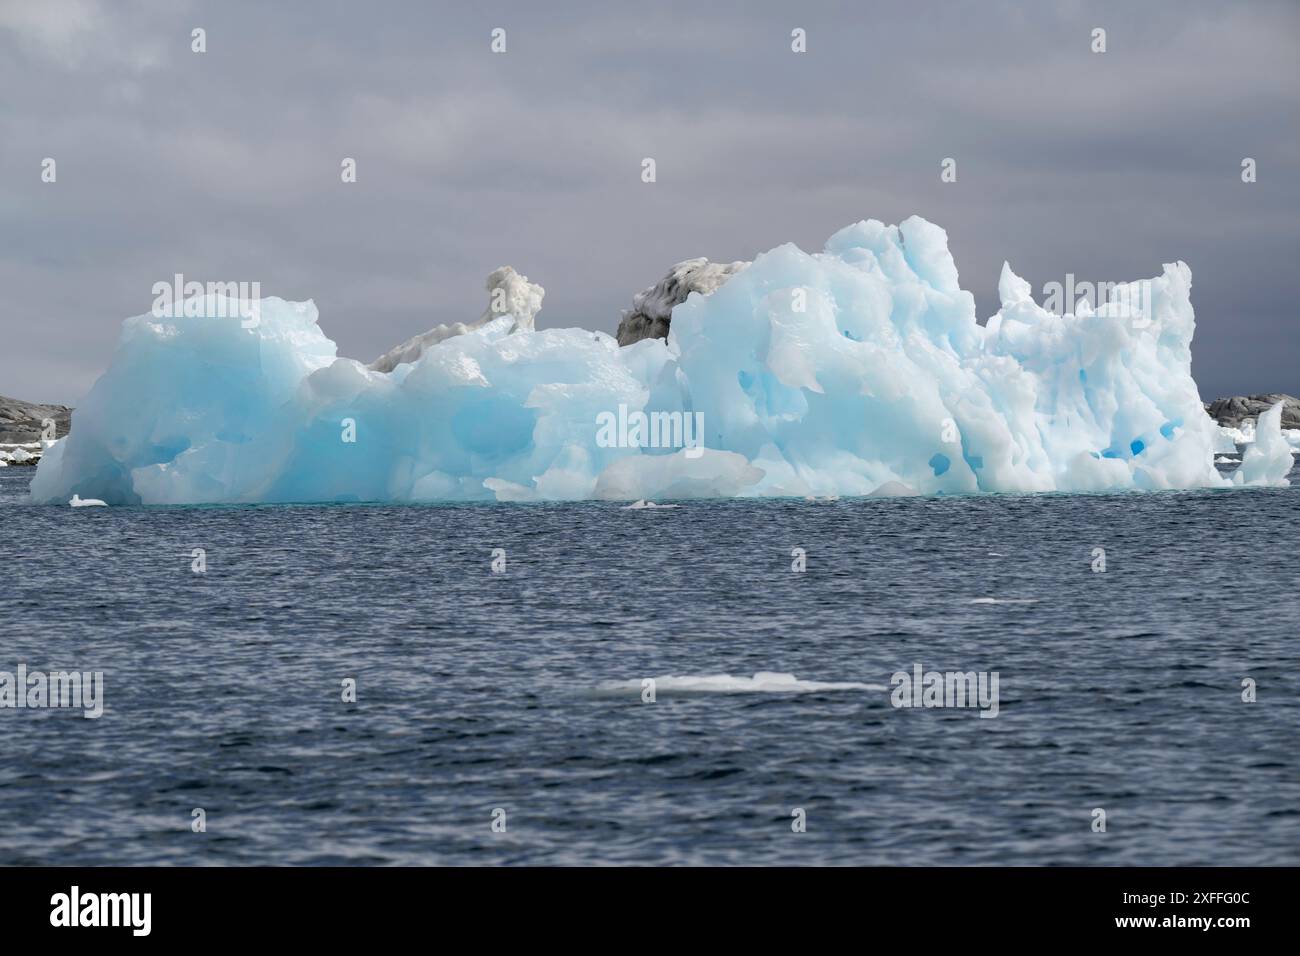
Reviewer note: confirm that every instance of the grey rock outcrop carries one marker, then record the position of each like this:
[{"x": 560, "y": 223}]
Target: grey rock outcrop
[
  {"x": 652, "y": 309},
  {"x": 20, "y": 421},
  {"x": 1231, "y": 412}
]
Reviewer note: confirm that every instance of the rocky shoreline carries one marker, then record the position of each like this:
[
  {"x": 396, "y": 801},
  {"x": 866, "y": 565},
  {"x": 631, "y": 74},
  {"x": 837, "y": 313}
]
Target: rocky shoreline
[
  {"x": 1232, "y": 412},
  {"x": 22, "y": 425}
]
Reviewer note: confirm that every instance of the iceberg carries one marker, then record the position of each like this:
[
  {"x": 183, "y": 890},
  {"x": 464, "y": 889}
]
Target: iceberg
[{"x": 857, "y": 370}]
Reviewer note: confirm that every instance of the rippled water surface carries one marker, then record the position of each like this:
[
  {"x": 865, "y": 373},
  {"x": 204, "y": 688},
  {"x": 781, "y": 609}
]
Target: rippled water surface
[{"x": 1118, "y": 690}]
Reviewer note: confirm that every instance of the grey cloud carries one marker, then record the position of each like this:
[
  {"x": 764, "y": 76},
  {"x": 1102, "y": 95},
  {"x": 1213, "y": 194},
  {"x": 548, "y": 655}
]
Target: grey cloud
[{"x": 226, "y": 165}]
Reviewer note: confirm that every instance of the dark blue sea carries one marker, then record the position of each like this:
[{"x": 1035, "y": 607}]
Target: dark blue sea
[{"x": 476, "y": 691}]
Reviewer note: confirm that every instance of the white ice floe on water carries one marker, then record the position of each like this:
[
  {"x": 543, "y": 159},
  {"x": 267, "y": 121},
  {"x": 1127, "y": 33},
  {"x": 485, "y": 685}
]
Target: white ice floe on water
[
  {"x": 763, "y": 682},
  {"x": 994, "y": 600},
  {"x": 858, "y": 370},
  {"x": 80, "y": 502},
  {"x": 642, "y": 505}
]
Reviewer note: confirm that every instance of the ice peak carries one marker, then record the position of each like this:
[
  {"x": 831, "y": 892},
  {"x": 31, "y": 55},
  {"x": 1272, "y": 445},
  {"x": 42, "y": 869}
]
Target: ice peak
[
  {"x": 509, "y": 293},
  {"x": 1011, "y": 288}
]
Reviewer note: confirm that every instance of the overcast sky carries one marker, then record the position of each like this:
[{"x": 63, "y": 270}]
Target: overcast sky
[{"x": 225, "y": 165}]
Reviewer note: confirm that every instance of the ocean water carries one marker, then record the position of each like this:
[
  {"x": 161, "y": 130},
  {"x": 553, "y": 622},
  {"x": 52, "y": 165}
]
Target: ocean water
[{"x": 479, "y": 691}]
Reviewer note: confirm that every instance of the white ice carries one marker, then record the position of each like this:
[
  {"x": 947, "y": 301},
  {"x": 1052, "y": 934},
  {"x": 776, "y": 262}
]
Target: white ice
[
  {"x": 763, "y": 682},
  {"x": 509, "y": 293},
  {"x": 859, "y": 370},
  {"x": 1269, "y": 457}
]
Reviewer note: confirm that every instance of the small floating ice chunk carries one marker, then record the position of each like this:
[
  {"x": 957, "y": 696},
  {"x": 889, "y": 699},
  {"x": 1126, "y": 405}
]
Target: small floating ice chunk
[
  {"x": 993, "y": 600},
  {"x": 80, "y": 502},
  {"x": 763, "y": 682},
  {"x": 642, "y": 505}
]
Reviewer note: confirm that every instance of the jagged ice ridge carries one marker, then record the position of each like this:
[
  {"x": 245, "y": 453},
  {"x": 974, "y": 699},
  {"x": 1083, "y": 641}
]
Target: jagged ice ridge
[{"x": 859, "y": 370}]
